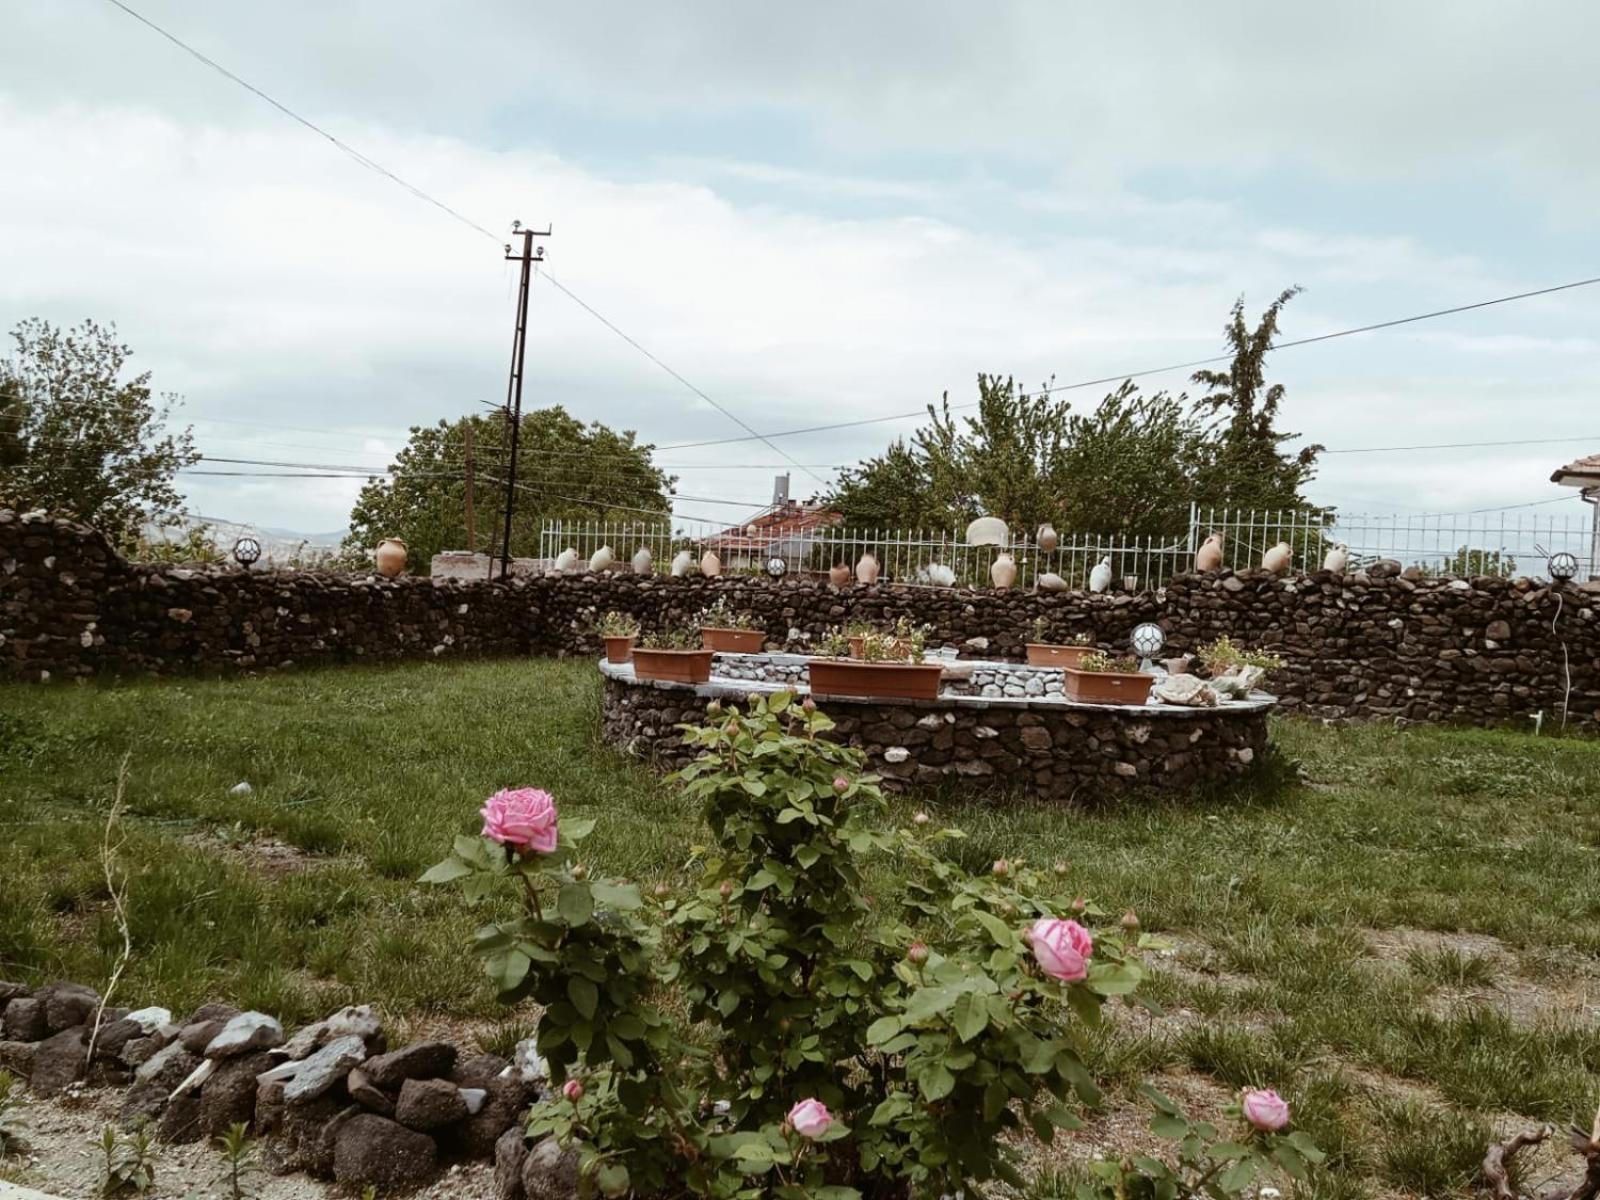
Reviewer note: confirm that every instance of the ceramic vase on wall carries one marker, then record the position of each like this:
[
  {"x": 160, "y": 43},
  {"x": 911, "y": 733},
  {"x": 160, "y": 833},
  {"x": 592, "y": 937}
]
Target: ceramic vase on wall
[
  {"x": 1004, "y": 571},
  {"x": 710, "y": 564},
  {"x": 390, "y": 557},
  {"x": 867, "y": 569},
  {"x": 642, "y": 561},
  {"x": 839, "y": 575}
]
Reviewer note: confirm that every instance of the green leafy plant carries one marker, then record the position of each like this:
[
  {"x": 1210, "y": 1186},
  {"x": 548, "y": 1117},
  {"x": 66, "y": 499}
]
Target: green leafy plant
[
  {"x": 1207, "y": 1164},
  {"x": 1222, "y": 656},
  {"x": 721, "y": 616},
  {"x": 835, "y": 643},
  {"x": 901, "y": 642},
  {"x": 1110, "y": 663},
  {"x": 770, "y": 1030},
  {"x": 127, "y": 1161},
  {"x": 672, "y": 637},
  {"x": 11, "y": 1133},
  {"x": 859, "y": 628},
  {"x": 616, "y": 624},
  {"x": 1041, "y": 629},
  {"x": 238, "y": 1158}
]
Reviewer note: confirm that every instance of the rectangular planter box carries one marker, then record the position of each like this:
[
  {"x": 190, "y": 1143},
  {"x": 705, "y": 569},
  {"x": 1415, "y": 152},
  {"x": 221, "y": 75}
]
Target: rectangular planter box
[
  {"x": 672, "y": 666},
  {"x": 732, "y": 641},
  {"x": 1048, "y": 654},
  {"x": 1108, "y": 687},
  {"x": 898, "y": 681},
  {"x": 618, "y": 649}
]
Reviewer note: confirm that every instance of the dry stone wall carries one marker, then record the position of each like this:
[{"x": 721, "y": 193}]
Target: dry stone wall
[{"x": 1376, "y": 644}]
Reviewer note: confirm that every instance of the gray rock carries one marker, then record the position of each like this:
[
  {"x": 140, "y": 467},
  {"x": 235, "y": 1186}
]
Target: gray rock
[
  {"x": 13, "y": 991},
  {"x": 311, "y": 1077},
  {"x": 67, "y": 1004},
  {"x": 370, "y": 1097},
  {"x": 197, "y": 1035},
  {"x": 229, "y": 1096},
  {"x": 475, "y": 1099},
  {"x": 508, "y": 1097},
  {"x": 24, "y": 1021},
  {"x": 60, "y": 1061},
  {"x": 245, "y": 1033},
  {"x": 549, "y": 1172},
  {"x": 115, "y": 1036},
  {"x": 355, "y": 1020},
  {"x": 510, "y": 1152},
  {"x": 150, "y": 1019},
  {"x": 428, "y": 1104},
  {"x": 17, "y": 1057},
  {"x": 423, "y": 1060},
  {"x": 477, "y": 1071},
  {"x": 154, "y": 1083},
  {"x": 370, "y": 1149}
]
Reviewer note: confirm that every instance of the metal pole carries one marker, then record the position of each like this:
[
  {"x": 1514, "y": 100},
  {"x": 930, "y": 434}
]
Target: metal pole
[
  {"x": 472, "y": 526},
  {"x": 519, "y": 350}
]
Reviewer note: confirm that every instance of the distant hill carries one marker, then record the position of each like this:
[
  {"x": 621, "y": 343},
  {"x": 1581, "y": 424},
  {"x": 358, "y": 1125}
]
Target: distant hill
[{"x": 276, "y": 544}]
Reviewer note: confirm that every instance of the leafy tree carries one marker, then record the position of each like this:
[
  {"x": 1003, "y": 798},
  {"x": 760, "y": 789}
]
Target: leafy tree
[
  {"x": 1132, "y": 466},
  {"x": 566, "y": 470},
  {"x": 1247, "y": 467},
  {"x": 78, "y": 438}
]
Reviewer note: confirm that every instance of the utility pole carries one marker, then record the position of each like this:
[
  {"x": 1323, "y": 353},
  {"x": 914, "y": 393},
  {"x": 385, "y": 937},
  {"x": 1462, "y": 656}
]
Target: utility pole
[
  {"x": 519, "y": 349},
  {"x": 472, "y": 525}
]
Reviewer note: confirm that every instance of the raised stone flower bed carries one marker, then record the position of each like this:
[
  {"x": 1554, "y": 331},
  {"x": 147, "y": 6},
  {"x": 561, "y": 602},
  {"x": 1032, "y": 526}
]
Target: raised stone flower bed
[{"x": 1034, "y": 739}]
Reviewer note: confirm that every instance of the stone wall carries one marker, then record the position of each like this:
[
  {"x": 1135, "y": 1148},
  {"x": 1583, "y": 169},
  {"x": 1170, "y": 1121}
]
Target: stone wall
[
  {"x": 1049, "y": 750},
  {"x": 1375, "y": 644}
]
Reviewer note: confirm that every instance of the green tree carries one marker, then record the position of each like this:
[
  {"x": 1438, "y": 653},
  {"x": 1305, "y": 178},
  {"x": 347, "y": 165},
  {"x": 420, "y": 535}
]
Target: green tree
[
  {"x": 566, "y": 470},
  {"x": 77, "y": 438},
  {"x": 1248, "y": 467}
]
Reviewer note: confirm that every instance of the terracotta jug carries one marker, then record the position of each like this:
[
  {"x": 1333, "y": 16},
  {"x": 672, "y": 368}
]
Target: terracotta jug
[
  {"x": 867, "y": 569},
  {"x": 1004, "y": 571},
  {"x": 839, "y": 575},
  {"x": 710, "y": 564},
  {"x": 390, "y": 557},
  {"x": 1047, "y": 537}
]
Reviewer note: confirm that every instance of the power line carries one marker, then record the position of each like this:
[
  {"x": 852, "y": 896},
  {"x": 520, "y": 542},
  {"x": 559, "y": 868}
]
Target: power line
[{"x": 1465, "y": 445}]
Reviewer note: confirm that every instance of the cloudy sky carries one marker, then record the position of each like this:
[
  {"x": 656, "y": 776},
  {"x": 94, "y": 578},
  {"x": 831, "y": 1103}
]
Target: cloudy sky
[{"x": 816, "y": 213}]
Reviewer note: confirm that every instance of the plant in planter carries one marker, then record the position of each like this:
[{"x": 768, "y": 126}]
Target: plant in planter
[
  {"x": 767, "y": 1033},
  {"x": 1042, "y": 652},
  {"x": 856, "y": 632},
  {"x": 618, "y": 631},
  {"x": 1105, "y": 679},
  {"x": 886, "y": 664},
  {"x": 1234, "y": 670},
  {"x": 727, "y": 631},
  {"x": 673, "y": 654}
]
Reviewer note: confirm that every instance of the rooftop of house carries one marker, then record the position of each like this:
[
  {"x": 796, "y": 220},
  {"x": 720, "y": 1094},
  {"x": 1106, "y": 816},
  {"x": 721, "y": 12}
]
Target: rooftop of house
[
  {"x": 1580, "y": 472},
  {"x": 784, "y": 521}
]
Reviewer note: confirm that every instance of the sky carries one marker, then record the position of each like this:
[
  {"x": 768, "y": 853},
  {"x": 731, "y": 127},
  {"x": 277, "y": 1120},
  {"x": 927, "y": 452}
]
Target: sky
[{"x": 815, "y": 213}]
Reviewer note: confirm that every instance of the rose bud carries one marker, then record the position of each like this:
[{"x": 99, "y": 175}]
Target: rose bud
[
  {"x": 810, "y": 1119},
  {"x": 1265, "y": 1110},
  {"x": 1002, "y": 867},
  {"x": 1130, "y": 921},
  {"x": 1061, "y": 868},
  {"x": 840, "y": 784},
  {"x": 784, "y": 1024},
  {"x": 917, "y": 953},
  {"x": 661, "y": 891},
  {"x": 809, "y": 705},
  {"x": 920, "y": 819},
  {"x": 714, "y": 708},
  {"x": 572, "y": 1090},
  {"x": 726, "y": 889},
  {"x": 1079, "y": 904}
]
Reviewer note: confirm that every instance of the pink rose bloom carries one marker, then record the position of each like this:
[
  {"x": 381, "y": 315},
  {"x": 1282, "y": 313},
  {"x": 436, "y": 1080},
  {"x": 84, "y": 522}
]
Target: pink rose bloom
[
  {"x": 1265, "y": 1110},
  {"x": 521, "y": 817},
  {"x": 572, "y": 1090},
  {"x": 810, "y": 1118},
  {"x": 1061, "y": 948}
]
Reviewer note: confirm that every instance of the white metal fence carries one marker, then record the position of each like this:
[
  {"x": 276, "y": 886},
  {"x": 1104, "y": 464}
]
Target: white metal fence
[{"x": 1503, "y": 543}]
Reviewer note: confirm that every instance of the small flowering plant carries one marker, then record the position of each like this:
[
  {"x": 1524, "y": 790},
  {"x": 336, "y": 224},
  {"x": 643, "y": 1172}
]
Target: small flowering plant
[
  {"x": 1110, "y": 663},
  {"x": 617, "y": 624},
  {"x": 721, "y": 615},
  {"x": 767, "y": 1028}
]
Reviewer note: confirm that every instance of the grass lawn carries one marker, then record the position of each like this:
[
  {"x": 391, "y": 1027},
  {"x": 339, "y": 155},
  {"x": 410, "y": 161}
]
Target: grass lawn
[{"x": 1406, "y": 943}]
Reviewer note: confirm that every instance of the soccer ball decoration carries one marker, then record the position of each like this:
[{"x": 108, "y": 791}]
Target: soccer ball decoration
[
  {"x": 246, "y": 551},
  {"x": 776, "y": 567},
  {"x": 1563, "y": 566},
  {"x": 1148, "y": 639}
]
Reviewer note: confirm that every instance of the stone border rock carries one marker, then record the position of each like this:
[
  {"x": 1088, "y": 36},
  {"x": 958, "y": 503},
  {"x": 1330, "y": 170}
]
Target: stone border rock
[{"x": 331, "y": 1101}]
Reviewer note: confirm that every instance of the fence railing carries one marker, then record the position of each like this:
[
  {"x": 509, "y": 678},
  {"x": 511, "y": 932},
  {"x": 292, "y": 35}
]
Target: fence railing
[{"x": 1502, "y": 543}]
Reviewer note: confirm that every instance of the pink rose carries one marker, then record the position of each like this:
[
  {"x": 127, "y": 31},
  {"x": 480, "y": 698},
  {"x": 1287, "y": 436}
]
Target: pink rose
[
  {"x": 840, "y": 783},
  {"x": 572, "y": 1090},
  {"x": 1265, "y": 1110},
  {"x": 1061, "y": 948},
  {"x": 521, "y": 817},
  {"x": 810, "y": 1118}
]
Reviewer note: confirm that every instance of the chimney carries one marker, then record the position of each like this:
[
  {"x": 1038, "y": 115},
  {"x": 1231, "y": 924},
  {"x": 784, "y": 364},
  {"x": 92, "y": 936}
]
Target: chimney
[{"x": 780, "y": 491}]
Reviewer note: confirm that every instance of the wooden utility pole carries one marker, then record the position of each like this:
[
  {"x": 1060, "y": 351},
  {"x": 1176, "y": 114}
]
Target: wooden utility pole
[
  {"x": 519, "y": 349},
  {"x": 472, "y": 525}
]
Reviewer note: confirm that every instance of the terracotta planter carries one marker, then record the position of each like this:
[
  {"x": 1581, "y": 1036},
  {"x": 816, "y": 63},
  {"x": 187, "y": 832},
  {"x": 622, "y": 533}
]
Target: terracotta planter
[
  {"x": 1108, "y": 687},
  {"x": 672, "y": 666},
  {"x": 732, "y": 641},
  {"x": 618, "y": 649},
  {"x": 899, "y": 681},
  {"x": 1048, "y": 654}
]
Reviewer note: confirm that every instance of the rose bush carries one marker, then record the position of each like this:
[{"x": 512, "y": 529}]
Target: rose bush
[{"x": 818, "y": 1044}]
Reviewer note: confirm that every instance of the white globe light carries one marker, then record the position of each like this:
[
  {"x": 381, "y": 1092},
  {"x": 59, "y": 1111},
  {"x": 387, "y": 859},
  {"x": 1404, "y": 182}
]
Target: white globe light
[{"x": 1148, "y": 639}]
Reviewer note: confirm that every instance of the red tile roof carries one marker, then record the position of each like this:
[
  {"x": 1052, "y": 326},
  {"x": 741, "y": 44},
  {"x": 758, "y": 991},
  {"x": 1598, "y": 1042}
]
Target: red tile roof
[
  {"x": 1580, "y": 472},
  {"x": 762, "y": 531}
]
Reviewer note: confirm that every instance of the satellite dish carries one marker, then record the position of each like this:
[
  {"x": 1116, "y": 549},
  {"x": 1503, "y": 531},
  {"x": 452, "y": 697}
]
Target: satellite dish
[{"x": 988, "y": 531}]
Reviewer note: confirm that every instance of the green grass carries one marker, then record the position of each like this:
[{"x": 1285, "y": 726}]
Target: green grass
[{"x": 1272, "y": 889}]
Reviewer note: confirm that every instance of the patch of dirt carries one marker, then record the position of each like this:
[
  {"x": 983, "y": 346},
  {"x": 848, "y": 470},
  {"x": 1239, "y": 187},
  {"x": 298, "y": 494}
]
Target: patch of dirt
[
  {"x": 1573, "y": 1000},
  {"x": 1393, "y": 945},
  {"x": 261, "y": 853},
  {"x": 62, "y": 1157}
]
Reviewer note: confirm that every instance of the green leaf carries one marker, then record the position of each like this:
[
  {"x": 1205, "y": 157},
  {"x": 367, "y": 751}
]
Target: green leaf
[
  {"x": 1289, "y": 1160},
  {"x": 995, "y": 1097},
  {"x": 1238, "y": 1176},
  {"x": 575, "y": 903},
  {"x": 622, "y": 896},
  {"x": 612, "y": 1179},
  {"x": 583, "y": 994},
  {"x": 1002, "y": 933},
  {"x": 1042, "y": 1129},
  {"x": 881, "y": 1030},
  {"x": 576, "y": 829},
  {"x": 446, "y": 872},
  {"x": 508, "y": 969},
  {"x": 971, "y": 1016},
  {"x": 619, "y": 1051},
  {"x": 937, "y": 1082},
  {"x": 1166, "y": 1125},
  {"x": 1160, "y": 1099},
  {"x": 1302, "y": 1142}
]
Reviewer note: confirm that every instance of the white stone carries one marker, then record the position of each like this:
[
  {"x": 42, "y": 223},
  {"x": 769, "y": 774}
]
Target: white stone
[
  {"x": 196, "y": 1078},
  {"x": 528, "y": 1062},
  {"x": 475, "y": 1098},
  {"x": 985, "y": 732},
  {"x": 355, "y": 1020},
  {"x": 150, "y": 1019},
  {"x": 242, "y": 788},
  {"x": 309, "y": 1078},
  {"x": 896, "y": 754},
  {"x": 246, "y": 1032}
]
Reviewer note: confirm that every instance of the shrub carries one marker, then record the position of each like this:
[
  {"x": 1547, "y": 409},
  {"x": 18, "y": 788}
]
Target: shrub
[
  {"x": 770, "y": 1029},
  {"x": 617, "y": 624},
  {"x": 673, "y": 637},
  {"x": 720, "y": 616},
  {"x": 1110, "y": 663},
  {"x": 1221, "y": 656}
]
